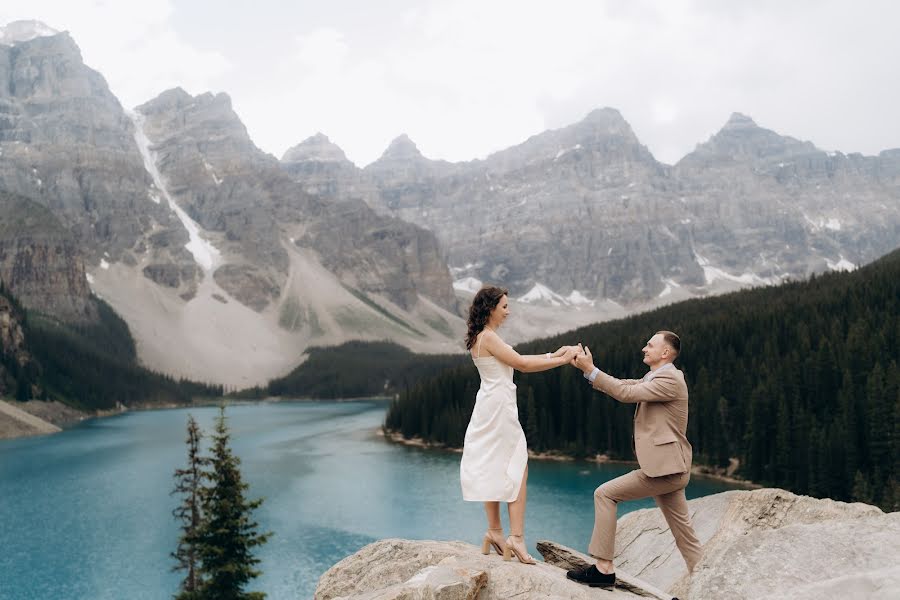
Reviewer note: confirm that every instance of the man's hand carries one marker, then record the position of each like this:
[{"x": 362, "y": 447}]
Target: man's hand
[
  {"x": 584, "y": 360},
  {"x": 570, "y": 352}
]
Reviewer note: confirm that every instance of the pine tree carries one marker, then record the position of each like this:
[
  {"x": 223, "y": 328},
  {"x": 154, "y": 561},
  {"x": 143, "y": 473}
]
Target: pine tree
[
  {"x": 861, "y": 491},
  {"x": 228, "y": 535},
  {"x": 189, "y": 484}
]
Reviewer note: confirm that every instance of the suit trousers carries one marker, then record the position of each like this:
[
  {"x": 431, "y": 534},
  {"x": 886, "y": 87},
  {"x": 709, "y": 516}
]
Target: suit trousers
[{"x": 668, "y": 491}]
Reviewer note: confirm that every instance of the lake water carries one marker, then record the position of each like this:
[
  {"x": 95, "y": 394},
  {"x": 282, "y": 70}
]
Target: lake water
[{"x": 86, "y": 513}]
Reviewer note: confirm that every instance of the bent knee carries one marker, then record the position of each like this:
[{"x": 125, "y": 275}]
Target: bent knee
[{"x": 602, "y": 493}]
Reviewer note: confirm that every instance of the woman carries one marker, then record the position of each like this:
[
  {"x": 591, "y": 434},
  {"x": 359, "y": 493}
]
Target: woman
[{"x": 494, "y": 465}]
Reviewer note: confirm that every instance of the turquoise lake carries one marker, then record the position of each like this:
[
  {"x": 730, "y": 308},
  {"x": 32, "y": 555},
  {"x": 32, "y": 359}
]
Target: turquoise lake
[{"x": 86, "y": 513}]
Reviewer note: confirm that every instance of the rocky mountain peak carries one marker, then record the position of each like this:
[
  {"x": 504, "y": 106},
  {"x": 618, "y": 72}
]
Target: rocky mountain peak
[
  {"x": 24, "y": 31},
  {"x": 178, "y": 99},
  {"x": 207, "y": 119},
  {"x": 739, "y": 122},
  {"x": 606, "y": 118},
  {"x": 742, "y": 140},
  {"x": 402, "y": 148},
  {"x": 317, "y": 148}
]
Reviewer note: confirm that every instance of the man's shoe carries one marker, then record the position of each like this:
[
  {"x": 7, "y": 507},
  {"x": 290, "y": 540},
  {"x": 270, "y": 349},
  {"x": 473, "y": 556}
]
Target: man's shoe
[{"x": 592, "y": 577}]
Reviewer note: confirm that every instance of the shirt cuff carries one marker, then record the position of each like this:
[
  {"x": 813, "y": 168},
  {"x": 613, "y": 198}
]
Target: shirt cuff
[{"x": 592, "y": 375}]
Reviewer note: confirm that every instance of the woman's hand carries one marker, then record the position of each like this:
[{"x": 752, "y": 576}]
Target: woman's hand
[
  {"x": 563, "y": 349},
  {"x": 570, "y": 352}
]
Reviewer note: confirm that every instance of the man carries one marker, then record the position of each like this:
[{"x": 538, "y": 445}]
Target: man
[{"x": 662, "y": 449}]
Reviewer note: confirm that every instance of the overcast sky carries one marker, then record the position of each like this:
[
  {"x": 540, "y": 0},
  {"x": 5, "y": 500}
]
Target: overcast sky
[{"x": 464, "y": 78}]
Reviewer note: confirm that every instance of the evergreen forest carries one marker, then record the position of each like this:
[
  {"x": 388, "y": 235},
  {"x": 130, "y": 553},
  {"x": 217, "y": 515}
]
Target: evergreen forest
[
  {"x": 90, "y": 366},
  {"x": 355, "y": 370}
]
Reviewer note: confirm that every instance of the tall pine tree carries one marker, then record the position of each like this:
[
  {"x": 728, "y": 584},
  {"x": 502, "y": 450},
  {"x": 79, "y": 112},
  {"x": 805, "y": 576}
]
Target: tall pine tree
[
  {"x": 228, "y": 534},
  {"x": 189, "y": 484}
]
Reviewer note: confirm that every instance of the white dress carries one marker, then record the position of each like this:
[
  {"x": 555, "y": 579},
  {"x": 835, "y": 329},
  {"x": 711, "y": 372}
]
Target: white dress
[{"x": 494, "y": 453}]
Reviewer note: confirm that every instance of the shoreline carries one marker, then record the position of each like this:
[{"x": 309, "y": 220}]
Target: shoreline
[
  {"x": 702, "y": 471},
  {"x": 63, "y": 416}
]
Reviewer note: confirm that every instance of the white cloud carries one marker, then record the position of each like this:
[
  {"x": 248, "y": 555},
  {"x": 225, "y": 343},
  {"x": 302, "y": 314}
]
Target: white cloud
[{"x": 468, "y": 77}]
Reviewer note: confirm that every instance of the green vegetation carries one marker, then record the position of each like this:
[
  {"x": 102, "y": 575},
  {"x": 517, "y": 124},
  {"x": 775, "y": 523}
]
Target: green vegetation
[
  {"x": 90, "y": 367},
  {"x": 382, "y": 311},
  {"x": 218, "y": 533},
  {"x": 189, "y": 484},
  {"x": 799, "y": 382},
  {"x": 354, "y": 370}
]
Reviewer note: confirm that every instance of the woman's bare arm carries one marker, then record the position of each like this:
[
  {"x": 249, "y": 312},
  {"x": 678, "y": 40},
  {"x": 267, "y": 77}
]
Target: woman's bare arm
[{"x": 526, "y": 363}]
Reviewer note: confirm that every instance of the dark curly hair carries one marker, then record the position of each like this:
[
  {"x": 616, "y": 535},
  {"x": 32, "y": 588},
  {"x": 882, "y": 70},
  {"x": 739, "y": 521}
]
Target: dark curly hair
[{"x": 483, "y": 304}]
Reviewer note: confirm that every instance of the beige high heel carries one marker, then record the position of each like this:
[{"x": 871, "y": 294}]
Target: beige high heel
[
  {"x": 523, "y": 556},
  {"x": 489, "y": 542}
]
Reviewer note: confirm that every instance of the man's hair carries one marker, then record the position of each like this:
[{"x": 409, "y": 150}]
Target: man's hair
[{"x": 672, "y": 340}]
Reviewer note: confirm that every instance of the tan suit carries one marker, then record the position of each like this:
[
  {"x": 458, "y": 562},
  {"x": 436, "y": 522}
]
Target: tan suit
[{"x": 663, "y": 453}]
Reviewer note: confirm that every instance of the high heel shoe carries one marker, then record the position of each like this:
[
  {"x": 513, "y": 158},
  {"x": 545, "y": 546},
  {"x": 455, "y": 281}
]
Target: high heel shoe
[
  {"x": 490, "y": 541},
  {"x": 522, "y": 556}
]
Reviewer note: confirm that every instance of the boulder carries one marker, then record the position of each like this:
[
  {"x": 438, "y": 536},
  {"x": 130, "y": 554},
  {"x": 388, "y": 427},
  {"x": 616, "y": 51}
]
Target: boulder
[
  {"x": 766, "y": 543},
  {"x": 414, "y": 570}
]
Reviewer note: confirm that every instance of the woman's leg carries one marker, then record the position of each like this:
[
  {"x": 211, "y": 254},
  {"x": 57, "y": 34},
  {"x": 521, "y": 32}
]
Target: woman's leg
[
  {"x": 517, "y": 523},
  {"x": 492, "y": 510},
  {"x": 517, "y": 508},
  {"x": 494, "y": 535}
]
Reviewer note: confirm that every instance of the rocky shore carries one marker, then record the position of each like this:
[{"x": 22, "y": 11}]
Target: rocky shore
[{"x": 765, "y": 543}]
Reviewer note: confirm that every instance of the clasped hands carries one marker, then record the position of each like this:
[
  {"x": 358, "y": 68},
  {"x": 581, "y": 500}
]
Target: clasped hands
[{"x": 579, "y": 357}]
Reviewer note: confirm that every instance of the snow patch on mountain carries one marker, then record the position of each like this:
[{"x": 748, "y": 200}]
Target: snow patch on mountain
[
  {"x": 541, "y": 294},
  {"x": 842, "y": 264},
  {"x": 831, "y": 223},
  {"x": 467, "y": 284},
  {"x": 205, "y": 254},
  {"x": 711, "y": 274},
  {"x": 24, "y": 31}
]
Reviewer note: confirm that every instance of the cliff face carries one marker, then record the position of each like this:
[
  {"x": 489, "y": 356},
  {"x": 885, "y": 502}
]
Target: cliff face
[
  {"x": 67, "y": 145},
  {"x": 14, "y": 354},
  {"x": 41, "y": 263}
]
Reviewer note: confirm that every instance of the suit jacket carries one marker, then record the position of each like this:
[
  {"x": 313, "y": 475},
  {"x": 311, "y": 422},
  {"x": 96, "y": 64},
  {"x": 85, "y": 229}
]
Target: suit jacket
[{"x": 660, "y": 419}]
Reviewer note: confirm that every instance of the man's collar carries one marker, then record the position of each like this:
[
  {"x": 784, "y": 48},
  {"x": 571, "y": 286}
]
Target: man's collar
[{"x": 654, "y": 372}]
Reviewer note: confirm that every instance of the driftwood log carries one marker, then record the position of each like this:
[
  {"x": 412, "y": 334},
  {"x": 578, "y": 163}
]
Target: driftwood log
[{"x": 566, "y": 558}]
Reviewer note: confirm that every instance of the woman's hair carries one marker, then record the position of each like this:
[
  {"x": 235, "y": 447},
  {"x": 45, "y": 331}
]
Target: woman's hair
[{"x": 483, "y": 304}]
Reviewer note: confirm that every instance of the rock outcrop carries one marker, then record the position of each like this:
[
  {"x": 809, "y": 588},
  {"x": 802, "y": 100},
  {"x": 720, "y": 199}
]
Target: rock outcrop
[
  {"x": 765, "y": 543},
  {"x": 40, "y": 262},
  {"x": 429, "y": 570}
]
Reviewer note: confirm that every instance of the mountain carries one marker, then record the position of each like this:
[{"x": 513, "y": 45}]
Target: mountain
[
  {"x": 775, "y": 207},
  {"x": 23, "y": 31},
  {"x": 228, "y": 264},
  {"x": 322, "y": 167},
  {"x": 174, "y": 216},
  {"x": 584, "y": 223},
  {"x": 66, "y": 143}
]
